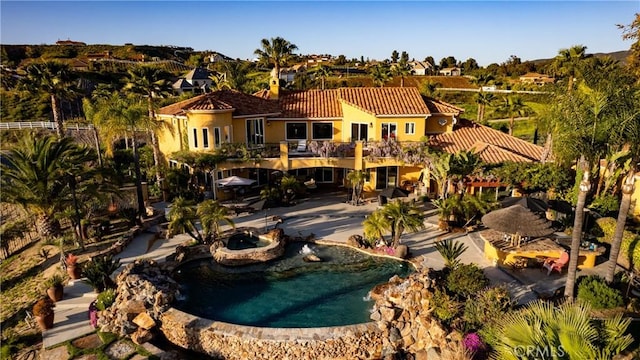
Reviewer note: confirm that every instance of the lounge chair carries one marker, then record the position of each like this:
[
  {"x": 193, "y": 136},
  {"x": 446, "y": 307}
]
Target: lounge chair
[
  {"x": 302, "y": 146},
  {"x": 552, "y": 264},
  {"x": 311, "y": 184}
]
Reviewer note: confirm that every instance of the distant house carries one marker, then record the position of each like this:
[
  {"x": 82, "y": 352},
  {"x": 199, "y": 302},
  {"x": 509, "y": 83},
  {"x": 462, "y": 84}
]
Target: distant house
[
  {"x": 536, "y": 78},
  {"x": 196, "y": 80},
  {"x": 288, "y": 74},
  {"x": 217, "y": 57},
  {"x": 70, "y": 42},
  {"x": 79, "y": 65},
  {"x": 420, "y": 68},
  {"x": 99, "y": 56},
  {"x": 452, "y": 71}
]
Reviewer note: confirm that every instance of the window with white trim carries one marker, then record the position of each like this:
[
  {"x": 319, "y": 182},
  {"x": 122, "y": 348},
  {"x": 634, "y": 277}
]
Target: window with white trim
[
  {"x": 389, "y": 130},
  {"x": 255, "y": 132},
  {"x": 324, "y": 175},
  {"x": 410, "y": 128},
  {"x": 195, "y": 138},
  {"x": 322, "y": 131},
  {"x": 296, "y": 131},
  {"x": 217, "y": 137},
  {"x": 205, "y": 138}
]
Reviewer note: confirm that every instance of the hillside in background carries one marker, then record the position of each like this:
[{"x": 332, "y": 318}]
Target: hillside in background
[{"x": 620, "y": 56}]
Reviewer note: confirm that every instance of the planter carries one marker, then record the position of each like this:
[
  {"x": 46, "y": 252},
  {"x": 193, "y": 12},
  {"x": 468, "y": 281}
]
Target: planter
[
  {"x": 56, "y": 293},
  {"x": 45, "y": 322},
  {"x": 74, "y": 272}
]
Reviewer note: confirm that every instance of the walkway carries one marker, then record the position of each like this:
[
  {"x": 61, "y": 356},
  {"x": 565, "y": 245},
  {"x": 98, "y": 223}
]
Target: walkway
[{"x": 327, "y": 217}]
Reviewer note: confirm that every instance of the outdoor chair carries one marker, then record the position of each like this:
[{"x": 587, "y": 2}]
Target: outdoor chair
[
  {"x": 302, "y": 146},
  {"x": 556, "y": 264},
  {"x": 311, "y": 184}
]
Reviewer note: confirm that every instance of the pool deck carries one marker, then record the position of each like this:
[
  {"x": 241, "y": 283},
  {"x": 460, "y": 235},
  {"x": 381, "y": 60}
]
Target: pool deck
[{"x": 327, "y": 217}]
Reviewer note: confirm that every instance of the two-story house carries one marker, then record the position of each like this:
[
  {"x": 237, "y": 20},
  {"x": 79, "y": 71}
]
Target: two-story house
[{"x": 290, "y": 127}]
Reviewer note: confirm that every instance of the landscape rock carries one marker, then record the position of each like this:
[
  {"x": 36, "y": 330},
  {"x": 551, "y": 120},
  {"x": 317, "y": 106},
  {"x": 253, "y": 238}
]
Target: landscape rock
[
  {"x": 144, "y": 321},
  {"x": 141, "y": 336}
]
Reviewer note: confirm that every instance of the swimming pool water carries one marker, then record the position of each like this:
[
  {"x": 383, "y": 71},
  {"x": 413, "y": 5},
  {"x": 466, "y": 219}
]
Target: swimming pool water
[{"x": 288, "y": 293}]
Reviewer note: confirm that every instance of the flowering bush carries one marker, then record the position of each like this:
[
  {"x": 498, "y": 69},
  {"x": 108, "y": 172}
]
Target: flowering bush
[
  {"x": 474, "y": 343},
  {"x": 71, "y": 260}
]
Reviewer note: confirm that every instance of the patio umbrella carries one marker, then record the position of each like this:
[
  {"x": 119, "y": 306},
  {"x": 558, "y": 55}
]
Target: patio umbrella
[
  {"x": 394, "y": 192},
  {"x": 517, "y": 220},
  {"x": 235, "y": 181},
  {"x": 533, "y": 204}
]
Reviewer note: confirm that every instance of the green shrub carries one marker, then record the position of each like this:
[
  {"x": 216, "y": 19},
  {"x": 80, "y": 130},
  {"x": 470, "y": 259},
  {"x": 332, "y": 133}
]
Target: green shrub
[
  {"x": 105, "y": 299},
  {"x": 605, "y": 205},
  {"x": 451, "y": 251},
  {"x": 466, "y": 279},
  {"x": 487, "y": 307},
  {"x": 444, "y": 306},
  {"x": 595, "y": 291},
  {"x": 630, "y": 246}
]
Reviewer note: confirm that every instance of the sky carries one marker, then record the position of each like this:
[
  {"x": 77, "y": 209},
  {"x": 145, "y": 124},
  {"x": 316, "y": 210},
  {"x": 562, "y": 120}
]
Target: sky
[{"x": 488, "y": 31}]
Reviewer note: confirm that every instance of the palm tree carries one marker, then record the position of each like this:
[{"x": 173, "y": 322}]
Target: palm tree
[
  {"x": 151, "y": 82},
  {"x": 429, "y": 88},
  {"x": 289, "y": 185},
  {"x": 219, "y": 81},
  {"x": 90, "y": 111},
  {"x": 576, "y": 235},
  {"x": 322, "y": 72},
  {"x": 236, "y": 75},
  {"x": 401, "y": 69},
  {"x": 567, "y": 63},
  {"x": 616, "y": 241},
  {"x": 125, "y": 116},
  {"x": 403, "y": 215},
  {"x": 182, "y": 218},
  {"x": 439, "y": 168},
  {"x": 483, "y": 99},
  {"x": 54, "y": 79},
  {"x": 35, "y": 177},
  {"x": 276, "y": 51},
  {"x": 375, "y": 225},
  {"x": 462, "y": 164},
  {"x": 380, "y": 75},
  {"x": 211, "y": 214},
  {"x": 512, "y": 107},
  {"x": 356, "y": 178},
  {"x": 567, "y": 331}
]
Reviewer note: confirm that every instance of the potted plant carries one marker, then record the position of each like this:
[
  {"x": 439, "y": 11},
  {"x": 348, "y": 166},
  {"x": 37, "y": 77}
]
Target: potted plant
[
  {"x": 43, "y": 312},
  {"x": 73, "y": 269},
  {"x": 55, "y": 287}
]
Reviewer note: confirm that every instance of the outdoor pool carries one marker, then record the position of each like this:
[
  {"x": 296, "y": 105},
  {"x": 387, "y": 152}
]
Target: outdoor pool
[
  {"x": 289, "y": 292},
  {"x": 241, "y": 241}
]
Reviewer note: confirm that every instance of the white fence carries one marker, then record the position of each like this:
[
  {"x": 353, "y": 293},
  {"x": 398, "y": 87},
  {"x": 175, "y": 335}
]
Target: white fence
[{"x": 24, "y": 125}]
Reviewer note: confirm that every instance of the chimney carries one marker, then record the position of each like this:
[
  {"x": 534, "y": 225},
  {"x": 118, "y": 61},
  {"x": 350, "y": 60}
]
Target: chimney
[{"x": 274, "y": 88}]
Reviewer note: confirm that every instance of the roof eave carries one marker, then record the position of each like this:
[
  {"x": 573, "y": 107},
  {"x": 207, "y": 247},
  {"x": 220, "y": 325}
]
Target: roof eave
[{"x": 255, "y": 115}]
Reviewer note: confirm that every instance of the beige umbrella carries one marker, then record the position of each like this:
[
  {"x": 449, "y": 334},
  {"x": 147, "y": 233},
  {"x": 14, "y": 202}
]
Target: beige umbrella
[{"x": 518, "y": 221}]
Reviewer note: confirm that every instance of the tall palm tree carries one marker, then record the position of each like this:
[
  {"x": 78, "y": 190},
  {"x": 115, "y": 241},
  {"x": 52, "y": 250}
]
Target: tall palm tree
[
  {"x": 567, "y": 331},
  {"x": 403, "y": 215},
  {"x": 182, "y": 218},
  {"x": 483, "y": 99},
  {"x": 151, "y": 82},
  {"x": 439, "y": 168},
  {"x": 380, "y": 74},
  {"x": 576, "y": 235},
  {"x": 276, "y": 51},
  {"x": 90, "y": 111},
  {"x": 513, "y": 107},
  {"x": 616, "y": 241},
  {"x": 126, "y": 116},
  {"x": 35, "y": 177},
  {"x": 567, "y": 63},
  {"x": 356, "y": 179},
  {"x": 54, "y": 79},
  {"x": 322, "y": 72},
  {"x": 401, "y": 69},
  {"x": 211, "y": 214},
  {"x": 219, "y": 81},
  {"x": 236, "y": 75},
  {"x": 375, "y": 226}
]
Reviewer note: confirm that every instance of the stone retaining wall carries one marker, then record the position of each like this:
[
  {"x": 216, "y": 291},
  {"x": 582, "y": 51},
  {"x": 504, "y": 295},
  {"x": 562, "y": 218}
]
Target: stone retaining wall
[
  {"x": 274, "y": 250},
  {"x": 229, "y": 341}
]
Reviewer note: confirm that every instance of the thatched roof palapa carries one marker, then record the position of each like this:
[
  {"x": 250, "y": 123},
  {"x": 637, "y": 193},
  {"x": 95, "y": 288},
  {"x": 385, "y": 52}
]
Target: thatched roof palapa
[{"x": 517, "y": 220}]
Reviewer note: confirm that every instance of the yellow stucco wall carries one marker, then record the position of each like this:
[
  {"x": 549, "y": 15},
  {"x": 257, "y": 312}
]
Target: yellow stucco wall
[
  {"x": 170, "y": 135},
  {"x": 209, "y": 121},
  {"x": 275, "y": 130},
  {"x": 635, "y": 199},
  {"x": 433, "y": 125},
  {"x": 351, "y": 115}
]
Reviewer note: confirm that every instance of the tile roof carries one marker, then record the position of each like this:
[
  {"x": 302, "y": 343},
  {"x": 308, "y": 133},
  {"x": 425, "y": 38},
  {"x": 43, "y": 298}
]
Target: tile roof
[
  {"x": 386, "y": 100},
  {"x": 437, "y": 106},
  {"x": 493, "y": 146},
  {"x": 310, "y": 104},
  {"x": 243, "y": 104}
]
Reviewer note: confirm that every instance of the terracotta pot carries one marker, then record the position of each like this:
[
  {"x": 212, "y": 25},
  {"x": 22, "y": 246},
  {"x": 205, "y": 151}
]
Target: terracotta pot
[
  {"x": 45, "y": 322},
  {"x": 56, "y": 293},
  {"x": 73, "y": 271}
]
